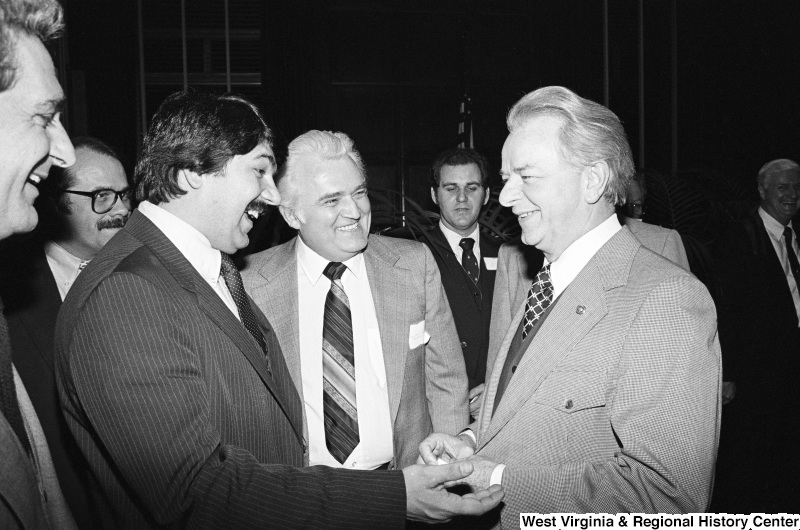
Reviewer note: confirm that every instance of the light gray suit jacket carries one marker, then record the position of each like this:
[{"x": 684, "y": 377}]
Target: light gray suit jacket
[
  {"x": 615, "y": 404},
  {"x": 427, "y": 385},
  {"x": 663, "y": 241}
]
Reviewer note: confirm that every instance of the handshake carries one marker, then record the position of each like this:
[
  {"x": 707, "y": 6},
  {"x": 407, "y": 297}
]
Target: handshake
[{"x": 446, "y": 461}]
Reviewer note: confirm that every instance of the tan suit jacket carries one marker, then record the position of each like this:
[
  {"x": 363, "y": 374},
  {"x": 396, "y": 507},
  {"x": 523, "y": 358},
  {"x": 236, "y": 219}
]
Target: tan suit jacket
[
  {"x": 615, "y": 405},
  {"x": 427, "y": 385}
]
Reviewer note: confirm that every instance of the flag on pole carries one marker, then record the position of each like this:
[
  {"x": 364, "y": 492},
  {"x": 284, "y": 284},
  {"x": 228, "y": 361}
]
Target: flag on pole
[{"x": 465, "y": 139}]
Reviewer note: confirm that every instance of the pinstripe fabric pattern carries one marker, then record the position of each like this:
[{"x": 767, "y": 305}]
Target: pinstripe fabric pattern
[
  {"x": 171, "y": 403},
  {"x": 427, "y": 384},
  {"x": 615, "y": 405}
]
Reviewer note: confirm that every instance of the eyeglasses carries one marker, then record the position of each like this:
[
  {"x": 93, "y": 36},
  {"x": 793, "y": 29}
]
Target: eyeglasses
[{"x": 104, "y": 200}]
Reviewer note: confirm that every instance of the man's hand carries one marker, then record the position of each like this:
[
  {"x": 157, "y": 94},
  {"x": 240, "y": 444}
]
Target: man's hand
[
  {"x": 442, "y": 448},
  {"x": 475, "y": 399},
  {"x": 482, "y": 469},
  {"x": 428, "y": 501}
]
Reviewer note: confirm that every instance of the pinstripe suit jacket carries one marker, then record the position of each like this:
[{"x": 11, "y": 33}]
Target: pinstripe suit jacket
[
  {"x": 181, "y": 419},
  {"x": 427, "y": 385},
  {"x": 615, "y": 404}
]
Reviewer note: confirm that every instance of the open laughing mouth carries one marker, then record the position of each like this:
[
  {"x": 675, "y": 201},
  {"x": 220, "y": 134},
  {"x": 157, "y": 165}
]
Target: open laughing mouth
[
  {"x": 256, "y": 208},
  {"x": 34, "y": 179}
]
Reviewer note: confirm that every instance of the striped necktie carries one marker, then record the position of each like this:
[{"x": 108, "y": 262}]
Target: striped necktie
[{"x": 338, "y": 369}]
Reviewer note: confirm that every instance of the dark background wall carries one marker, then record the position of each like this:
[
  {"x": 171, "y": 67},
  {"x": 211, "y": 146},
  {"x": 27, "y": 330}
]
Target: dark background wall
[{"x": 703, "y": 87}]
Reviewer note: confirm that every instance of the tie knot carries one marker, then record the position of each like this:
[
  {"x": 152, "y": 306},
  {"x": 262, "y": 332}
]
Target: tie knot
[
  {"x": 227, "y": 265},
  {"x": 334, "y": 270},
  {"x": 467, "y": 243},
  {"x": 543, "y": 278}
]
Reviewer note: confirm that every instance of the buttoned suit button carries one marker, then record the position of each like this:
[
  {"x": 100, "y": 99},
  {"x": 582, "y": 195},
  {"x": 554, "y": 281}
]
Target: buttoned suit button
[
  {"x": 463, "y": 344},
  {"x": 568, "y": 404},
  {"x": 580, "y": 310}
]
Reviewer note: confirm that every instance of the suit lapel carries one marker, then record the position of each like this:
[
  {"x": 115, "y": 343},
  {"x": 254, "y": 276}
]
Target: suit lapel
[
  {"x": 209, "y": 302},
  {"x": 280, "y": 273},
  {"x": 578, "y": 309},
  {"x": 18, "y": 488},
  {"x": 388, "y": 284},
  {"x": 40, "y": 320}
]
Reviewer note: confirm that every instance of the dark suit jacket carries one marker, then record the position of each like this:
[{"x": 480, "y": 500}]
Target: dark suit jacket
[
  {"x": 181, "y": 418},
  {"x": 471, "y": 305},
  {"x": 32, "y": 306},
  {"x": 761, "y": 354},
  {"x": 19, "y": 490}
]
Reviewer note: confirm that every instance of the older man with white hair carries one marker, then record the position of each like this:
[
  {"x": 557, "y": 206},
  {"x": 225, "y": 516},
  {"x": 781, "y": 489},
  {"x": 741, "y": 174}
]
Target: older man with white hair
[
  {"x": 603, "y": 395},
  {"x": 390, "y": 371}
]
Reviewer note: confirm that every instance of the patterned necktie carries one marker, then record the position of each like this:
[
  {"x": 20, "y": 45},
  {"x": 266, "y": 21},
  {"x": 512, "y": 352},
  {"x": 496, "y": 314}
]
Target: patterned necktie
[
  {"x": 787, "y": 235},
  {"x": 468, "y": 260},
  {"x": 338, "y": 369},
  {"x": 233, "y": 279},
  {"x": 540, "y": 295}
]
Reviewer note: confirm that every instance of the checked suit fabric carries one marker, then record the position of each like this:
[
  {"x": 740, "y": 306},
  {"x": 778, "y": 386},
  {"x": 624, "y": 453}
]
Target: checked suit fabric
[
  {"x": 338, "y": 369},
  {"x": 233, "y": 279},
  {"x": 468, "y": 260}
]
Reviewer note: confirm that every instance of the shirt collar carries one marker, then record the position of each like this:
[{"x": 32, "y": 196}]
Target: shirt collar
[
  {"x": 773, "y": 226},
  {"x": 572, "y": 261},
  {"x": 65, "y": 259},
  {"x": 195, "y": 247},
  {"x": 455, "y": 239},
  {"x": 313, "y": 264}
]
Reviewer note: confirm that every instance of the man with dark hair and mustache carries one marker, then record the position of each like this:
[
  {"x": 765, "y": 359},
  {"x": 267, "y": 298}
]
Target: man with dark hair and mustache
[{"x": 80, "y": 209}]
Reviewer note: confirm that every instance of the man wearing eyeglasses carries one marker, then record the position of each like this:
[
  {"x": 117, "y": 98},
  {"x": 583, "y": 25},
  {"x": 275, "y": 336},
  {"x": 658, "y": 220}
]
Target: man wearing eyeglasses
[{"x": 80, "y": 209}]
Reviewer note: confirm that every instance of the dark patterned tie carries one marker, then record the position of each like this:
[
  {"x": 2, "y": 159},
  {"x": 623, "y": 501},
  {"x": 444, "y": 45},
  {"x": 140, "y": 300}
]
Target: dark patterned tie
[
  {"x": 468, "y": 260},
  {"x": 338, "y": 369},
  {"x": 787, "y": 235},
  {"x": 233, "y": 279},
  {"x": 539, "y": 297}
]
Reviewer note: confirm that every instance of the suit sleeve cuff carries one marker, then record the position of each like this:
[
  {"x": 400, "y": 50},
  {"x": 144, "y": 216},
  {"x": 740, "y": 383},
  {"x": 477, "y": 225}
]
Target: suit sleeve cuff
[
  {"x": 468, "y": 432},
  {"x": 497, "y": 475}
]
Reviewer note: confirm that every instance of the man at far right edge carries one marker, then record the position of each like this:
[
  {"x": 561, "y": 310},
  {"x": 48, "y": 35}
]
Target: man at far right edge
[
  {"x": 604, "y": 394},
  {"x": 758, "y": 272}
]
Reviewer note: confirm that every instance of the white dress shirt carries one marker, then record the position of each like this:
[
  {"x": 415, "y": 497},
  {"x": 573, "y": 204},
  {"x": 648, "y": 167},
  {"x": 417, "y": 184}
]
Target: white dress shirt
[
  {"x": 454, "y": 239},
  {"x": 566, "y": 268},
  {"x": 775, "y": 231},
  {"x": 194, "y": 246},
  {"x": 64, "y": 265},
  {"x": 372, "y": 398}
]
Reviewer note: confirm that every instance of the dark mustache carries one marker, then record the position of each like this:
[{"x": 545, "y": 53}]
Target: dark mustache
[
  {"x": 259, "y": 205},
  {"x": 114, "y": 222}
]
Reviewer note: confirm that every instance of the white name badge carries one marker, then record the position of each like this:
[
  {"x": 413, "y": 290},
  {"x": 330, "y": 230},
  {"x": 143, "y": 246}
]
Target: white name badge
[{"x": 491, "y": 264}]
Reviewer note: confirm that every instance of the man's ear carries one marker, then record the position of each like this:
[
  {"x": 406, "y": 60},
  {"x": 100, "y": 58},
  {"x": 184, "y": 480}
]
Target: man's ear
[
  {"x": 762, "y": 192},
  {"x": 433, "y": 196},
  {"x": 188, "y": 179},
  {"x": 486, "y": 193},
  {"x": 290, "y": 216},
  {"x": 596, "y": 177}
]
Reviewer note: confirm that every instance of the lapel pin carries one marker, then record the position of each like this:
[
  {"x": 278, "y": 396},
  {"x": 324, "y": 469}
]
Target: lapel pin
[{"x": 580, "y": 310}]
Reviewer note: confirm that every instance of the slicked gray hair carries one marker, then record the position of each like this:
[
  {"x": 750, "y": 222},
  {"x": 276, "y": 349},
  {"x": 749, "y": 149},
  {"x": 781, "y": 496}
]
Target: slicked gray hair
[
  {"x": 589, "y": 133},
  {"x": 43, "y": 19},
  {"x": 774, "y": 168},
  {"x": 313, "y": 145}
]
